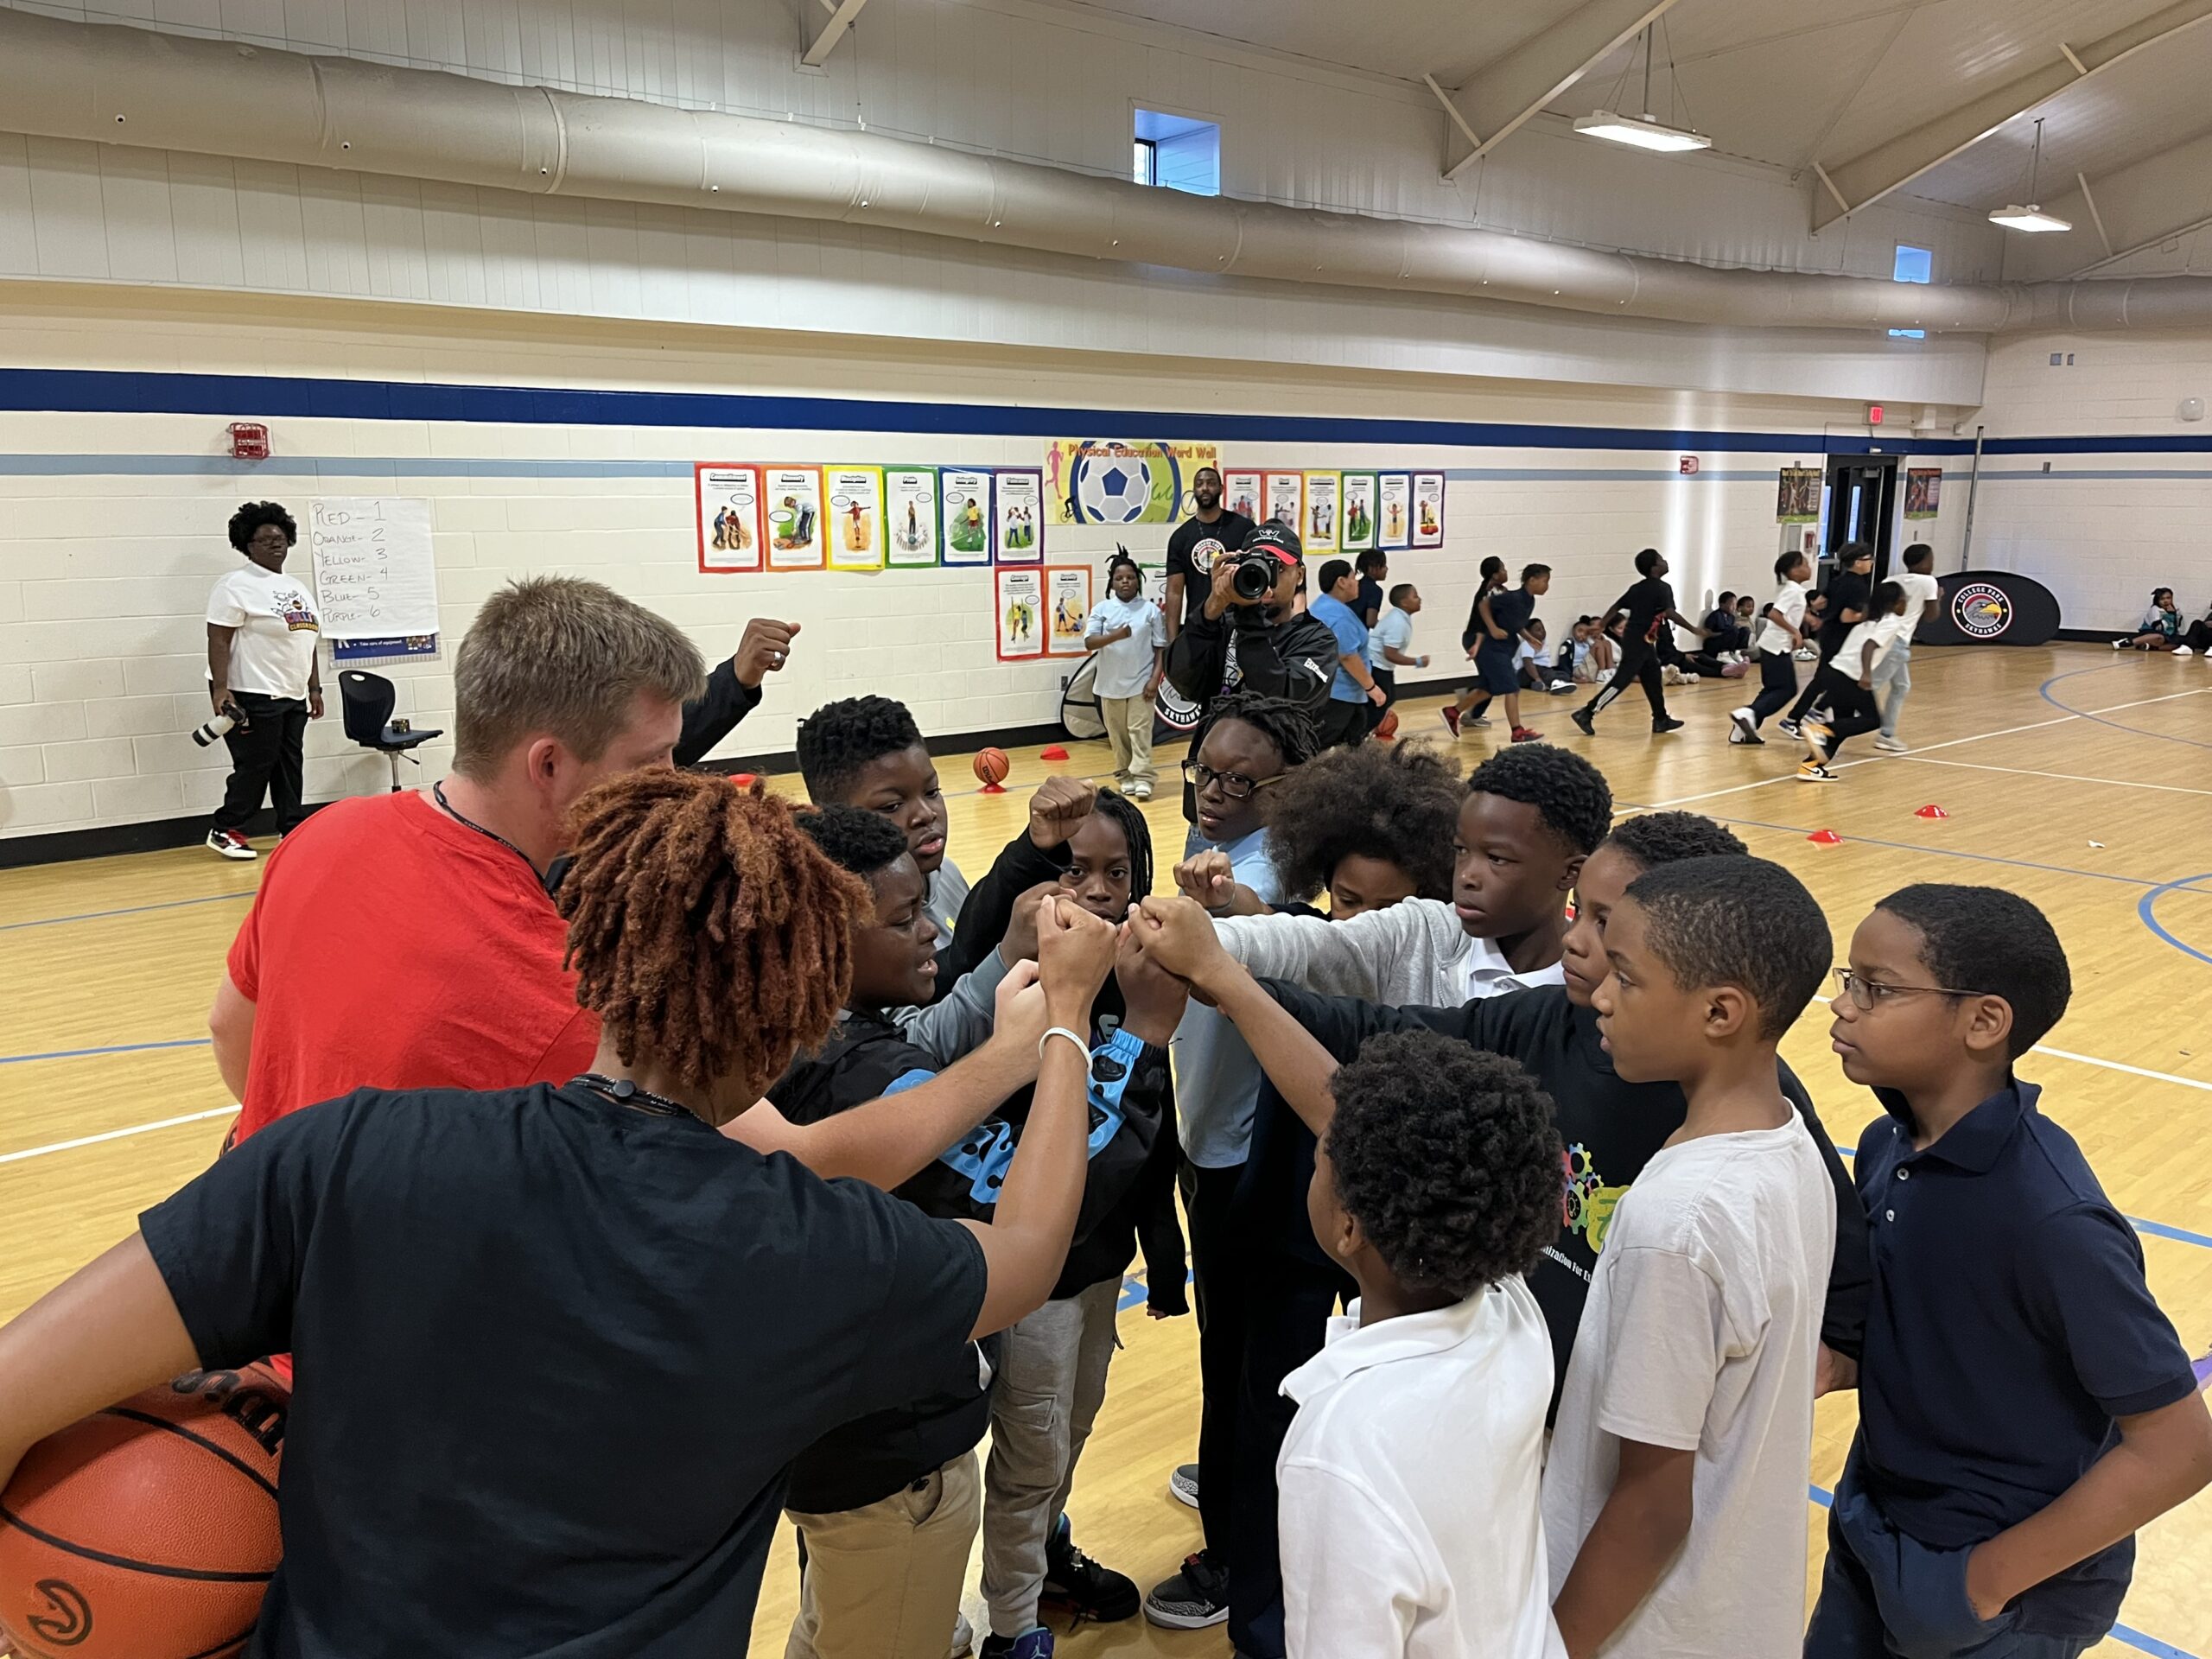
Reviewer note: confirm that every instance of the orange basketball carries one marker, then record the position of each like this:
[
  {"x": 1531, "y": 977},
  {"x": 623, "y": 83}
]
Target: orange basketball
[
  {"x": 992, "y": 765},
  {"x": 148, "y": 1530},
  {"x": 1387, "y": 728}
]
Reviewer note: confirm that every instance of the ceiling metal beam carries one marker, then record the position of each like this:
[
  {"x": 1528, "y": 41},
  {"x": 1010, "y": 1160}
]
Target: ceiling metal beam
[
  {"x": 2095, "y": 218},
  {"x": 841, "y": 19},
  {"x": 1902, "y": 157},
  {"x": 1503, "y": 95}
]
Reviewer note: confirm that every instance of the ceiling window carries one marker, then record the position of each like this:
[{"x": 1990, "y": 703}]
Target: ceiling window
[
  {"x": 1913, "y": 265},
  {"x": 1178, "y": 152}
]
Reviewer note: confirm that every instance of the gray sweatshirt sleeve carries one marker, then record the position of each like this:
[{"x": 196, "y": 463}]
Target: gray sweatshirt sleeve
[
  {"x": 960, "y": 1021},
  {"x": 1359, "y": 958}
]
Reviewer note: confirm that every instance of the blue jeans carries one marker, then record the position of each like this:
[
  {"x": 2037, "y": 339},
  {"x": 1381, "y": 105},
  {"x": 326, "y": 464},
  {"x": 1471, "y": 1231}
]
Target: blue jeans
[{"x": 1885, "y": 1595}]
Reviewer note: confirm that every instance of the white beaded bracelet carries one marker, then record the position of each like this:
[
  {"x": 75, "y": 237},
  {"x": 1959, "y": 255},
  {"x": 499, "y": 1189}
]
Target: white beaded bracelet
[{"x": 1082, "y": 1047}]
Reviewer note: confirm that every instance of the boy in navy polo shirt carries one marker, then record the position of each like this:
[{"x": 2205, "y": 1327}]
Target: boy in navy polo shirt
[{"x": 2023, "y": 1407}]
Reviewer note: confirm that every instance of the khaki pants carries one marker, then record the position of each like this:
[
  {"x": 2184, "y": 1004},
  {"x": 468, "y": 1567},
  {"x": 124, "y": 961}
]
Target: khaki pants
[
  {"x": 883, "y": 1581},
  {"x": 1128, "y": 733},
  {"x": 1051, "y": 1379}
]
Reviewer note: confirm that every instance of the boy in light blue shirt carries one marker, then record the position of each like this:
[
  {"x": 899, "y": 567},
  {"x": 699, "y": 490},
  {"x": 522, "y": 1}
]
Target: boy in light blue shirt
[{"x": 1353, "y": 692}]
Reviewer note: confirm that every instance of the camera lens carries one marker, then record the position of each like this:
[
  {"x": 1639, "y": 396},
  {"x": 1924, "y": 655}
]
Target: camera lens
[{"x": 1254, "y": 575}]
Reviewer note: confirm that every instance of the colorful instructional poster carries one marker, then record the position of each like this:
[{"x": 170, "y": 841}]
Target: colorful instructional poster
[
  {"x": 729, "y": 516},
  {"x": 855, "y": 517},
  {"x": 1923, "y": 491},
  {"x": 1283, "y": 496},
  {"x": 1358, "y": 534},
  {"x": 1020, "y": 518},
  {"x": 1241, "y": 492},
  {"x": 1020, "y": 598},
  {"x": 910, "y": 520},
  {"x": 795, "y": 532},
  {"x": 1067, "y": 595},
  {"x": 967, "y": 498},
  {"x": 1120, "y": 480},
  {"x": 1797, "y": 497},
  {"x": 1394, "y": 493},
  {"x": 1428, "y": 509},
  {"x": 1324, "y": 503}
]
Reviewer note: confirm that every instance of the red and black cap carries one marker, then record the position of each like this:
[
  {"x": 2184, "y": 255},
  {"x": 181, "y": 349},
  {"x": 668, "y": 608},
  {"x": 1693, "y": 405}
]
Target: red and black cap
[{"x": 1277, "y": 538}]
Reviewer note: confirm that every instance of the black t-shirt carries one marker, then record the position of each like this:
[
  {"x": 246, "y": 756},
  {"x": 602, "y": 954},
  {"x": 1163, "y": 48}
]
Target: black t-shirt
[
  {"x": 1370, "y": 602},
  {"x": 1646, "y": 603},
  {"x": 1845, "y": 592},
  {"x": 1194, "y": 547},
  {"x": 1510, "y": 608},
  {"x": 1611, "y": 1129},
  {"x": 554, "y": 1356}
]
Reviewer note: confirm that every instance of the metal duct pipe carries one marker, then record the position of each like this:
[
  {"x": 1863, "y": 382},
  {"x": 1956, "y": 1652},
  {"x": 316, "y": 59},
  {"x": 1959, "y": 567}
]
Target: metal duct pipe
[{"x": 114, "y": 84}]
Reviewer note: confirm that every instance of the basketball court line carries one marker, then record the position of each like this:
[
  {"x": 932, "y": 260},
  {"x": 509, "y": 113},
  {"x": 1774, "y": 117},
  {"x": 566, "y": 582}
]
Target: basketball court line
[
  {"x": 2146, "y": 912},
  {"x": 30, "y": 1153},
  {"x": 1949, "y": 743},
  {"x": 129, "y": 909},
  {"x": 2043, "y": 691},
  {"x": 111, "y": 1048},
  {"x": 2063, "y": 777}
]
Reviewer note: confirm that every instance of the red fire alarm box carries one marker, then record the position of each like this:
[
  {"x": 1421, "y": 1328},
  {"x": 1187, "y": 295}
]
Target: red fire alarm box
[
  {"x": 249, "y": 440},
  {"x": 1873, "y": 414},
  {"x": 1689, "y": 466}
]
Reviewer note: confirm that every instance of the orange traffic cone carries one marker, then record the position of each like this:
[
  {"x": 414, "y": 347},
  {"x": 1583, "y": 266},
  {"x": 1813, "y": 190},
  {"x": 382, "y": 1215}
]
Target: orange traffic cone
[
  {"x": 1931, "y": 810},
  {"x": 1825, "y": 838},
  {"x": 1056, "y": 752},
  {"x": 744, "y": 779}
]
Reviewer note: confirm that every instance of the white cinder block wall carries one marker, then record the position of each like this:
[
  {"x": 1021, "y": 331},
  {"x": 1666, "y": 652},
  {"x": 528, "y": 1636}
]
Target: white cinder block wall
[
  {"x": 2105, "y": 525},
  {"x": 111, "y": 522}
]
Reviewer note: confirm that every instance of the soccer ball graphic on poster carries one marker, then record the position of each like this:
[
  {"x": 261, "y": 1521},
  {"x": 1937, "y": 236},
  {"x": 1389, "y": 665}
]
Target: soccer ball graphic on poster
[{"x": 1112, "y": 489}]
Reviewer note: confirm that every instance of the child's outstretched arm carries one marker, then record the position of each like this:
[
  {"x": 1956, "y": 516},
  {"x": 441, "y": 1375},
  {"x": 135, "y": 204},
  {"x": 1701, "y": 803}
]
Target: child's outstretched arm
[
  {"x": 1638, "y": 1532},
  {"x": 2164, "y": 1459}
]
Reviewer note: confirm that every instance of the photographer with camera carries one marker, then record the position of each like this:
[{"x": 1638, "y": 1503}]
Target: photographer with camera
[
  {"x": 1247, "y": 636},
  {"x": 264, "y": 679}
]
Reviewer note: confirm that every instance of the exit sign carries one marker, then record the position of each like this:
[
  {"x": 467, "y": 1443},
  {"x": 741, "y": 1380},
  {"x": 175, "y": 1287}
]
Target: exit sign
[
  {"x": 1873, "y": 414},
  {"x": 1689, "y": 466}
]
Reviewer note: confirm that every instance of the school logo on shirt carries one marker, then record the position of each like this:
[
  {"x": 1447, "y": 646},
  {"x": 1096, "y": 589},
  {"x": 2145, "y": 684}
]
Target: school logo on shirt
[
  {"x": 1204, "y": 555},
  {"x": 1981, "y": 611},
  {"x": 1590, "y": 1201},
  {"x": 298, "y": 613}
]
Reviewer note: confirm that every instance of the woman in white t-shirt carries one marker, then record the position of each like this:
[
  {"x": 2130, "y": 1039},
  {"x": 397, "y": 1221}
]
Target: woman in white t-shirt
[{"x": 263, "y": 672}]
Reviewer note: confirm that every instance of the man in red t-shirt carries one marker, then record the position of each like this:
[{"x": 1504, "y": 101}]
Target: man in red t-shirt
[{"x": 407, "y": 941}]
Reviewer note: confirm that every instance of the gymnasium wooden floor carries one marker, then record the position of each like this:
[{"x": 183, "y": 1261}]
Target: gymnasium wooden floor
[{"x": 2076, "y": 776}]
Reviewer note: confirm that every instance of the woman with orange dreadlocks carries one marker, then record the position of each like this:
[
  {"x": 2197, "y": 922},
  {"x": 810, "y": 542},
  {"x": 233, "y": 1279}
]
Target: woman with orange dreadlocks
[{"x": 559, "y": 1343}]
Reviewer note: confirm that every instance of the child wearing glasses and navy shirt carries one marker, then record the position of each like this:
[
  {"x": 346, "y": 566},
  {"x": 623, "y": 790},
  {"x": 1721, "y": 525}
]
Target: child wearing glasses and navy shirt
[{"x": 2024, "y": 1405}]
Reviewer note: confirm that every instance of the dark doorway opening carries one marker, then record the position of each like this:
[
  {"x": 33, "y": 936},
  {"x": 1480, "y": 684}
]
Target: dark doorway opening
[{"x": 1862, "y": 508}]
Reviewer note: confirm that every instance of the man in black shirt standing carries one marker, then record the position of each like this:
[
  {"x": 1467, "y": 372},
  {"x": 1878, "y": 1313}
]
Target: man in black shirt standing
[
  {"x": 1198, "y": 541},
  {"x": 1649, "y": 607},
  {"x": 1849, "y": 592}
]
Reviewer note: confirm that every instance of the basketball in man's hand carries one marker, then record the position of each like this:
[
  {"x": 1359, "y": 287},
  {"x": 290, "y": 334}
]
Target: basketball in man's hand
[{"x": 148, "y": 1530}]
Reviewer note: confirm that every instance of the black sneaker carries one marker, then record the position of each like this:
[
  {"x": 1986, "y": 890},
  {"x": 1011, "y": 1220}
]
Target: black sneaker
[
  {"x": 1194, "y": 1598},
  {"x": 1074, "y": 1581},
  {"x": 1665, "y": 723},
  {"x": 1788, "y": 728},
  {"x": 1582, "y": 722},
  {"x": 1033, "y": 1644},
  {"x": 1183, "y": 1485}
]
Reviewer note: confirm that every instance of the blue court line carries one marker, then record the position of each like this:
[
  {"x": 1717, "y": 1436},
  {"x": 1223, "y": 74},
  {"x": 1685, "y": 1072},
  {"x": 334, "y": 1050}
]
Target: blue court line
[
  {"x": 2156, "y": 1229},
  {"x": 2133, "y": 1637},
  {"x": 2146, "y": 908},
  {"x": 2045, "y": 692},
  {"x": 113, "y": 1048},
  {"x": 127, "y": 909}
]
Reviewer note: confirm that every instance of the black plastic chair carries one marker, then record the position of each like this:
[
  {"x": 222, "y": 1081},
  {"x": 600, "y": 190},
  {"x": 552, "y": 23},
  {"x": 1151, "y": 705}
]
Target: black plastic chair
[{"x": 367, "y": 701}]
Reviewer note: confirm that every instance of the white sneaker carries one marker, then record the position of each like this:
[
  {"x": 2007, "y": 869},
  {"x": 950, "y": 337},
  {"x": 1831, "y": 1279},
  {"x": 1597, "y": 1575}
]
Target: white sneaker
[
  {"x": 1892, "y": 746},
  {"x": 2184, "y": 651},
  {"x": 230, "y": 843}
]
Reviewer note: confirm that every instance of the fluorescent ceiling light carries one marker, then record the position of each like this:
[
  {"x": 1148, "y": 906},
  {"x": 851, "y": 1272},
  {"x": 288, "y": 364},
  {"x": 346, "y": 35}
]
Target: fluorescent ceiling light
[
  {"x": 1641, "y": 130},
  {"x": 2029, "y": 218}
]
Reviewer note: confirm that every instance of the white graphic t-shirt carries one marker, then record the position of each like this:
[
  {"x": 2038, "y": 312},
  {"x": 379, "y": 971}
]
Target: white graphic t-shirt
[{"x": 273, "y": 652}]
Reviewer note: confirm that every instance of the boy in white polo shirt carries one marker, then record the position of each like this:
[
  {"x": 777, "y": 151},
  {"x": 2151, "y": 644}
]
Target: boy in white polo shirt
[{"x": 1411, "y": 1477}]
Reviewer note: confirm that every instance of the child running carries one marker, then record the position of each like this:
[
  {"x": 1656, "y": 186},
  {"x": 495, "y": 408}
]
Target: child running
[
  {"x": 1644, "y": 609},
  {"x": 1844, "y": 686}
]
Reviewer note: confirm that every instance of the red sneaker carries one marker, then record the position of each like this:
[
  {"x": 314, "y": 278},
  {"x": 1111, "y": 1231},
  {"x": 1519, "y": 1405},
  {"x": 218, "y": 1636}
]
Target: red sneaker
[
  {"x": 1522, "y": 734},
  {"x": 1451, "y": 718}
]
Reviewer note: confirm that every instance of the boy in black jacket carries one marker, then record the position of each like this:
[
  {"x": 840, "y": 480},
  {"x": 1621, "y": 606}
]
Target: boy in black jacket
[
  {"x": 1094, "y": 845},
  {"x": 1612, "y": 1128}
]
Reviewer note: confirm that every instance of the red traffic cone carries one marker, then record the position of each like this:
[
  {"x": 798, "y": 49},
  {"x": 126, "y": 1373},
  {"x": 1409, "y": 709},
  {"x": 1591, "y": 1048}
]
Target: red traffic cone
[
  {"x": 1056, "y": 752},
  {"x": 991, "y": 789},
  {"x": 1825, "y": 838},
  {"x": 1931, "y": 810}
]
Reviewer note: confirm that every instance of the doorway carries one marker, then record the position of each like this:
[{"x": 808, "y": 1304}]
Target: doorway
[{"x": 1862, "y": 508}]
